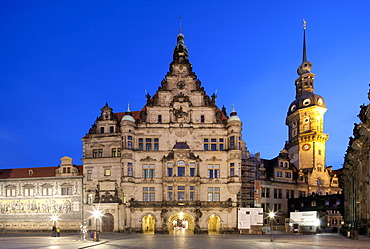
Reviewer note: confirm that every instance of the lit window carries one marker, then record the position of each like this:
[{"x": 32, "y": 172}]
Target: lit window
[
  {"x": 106, "y": 172},
  {"x": 89, "y": 199}
]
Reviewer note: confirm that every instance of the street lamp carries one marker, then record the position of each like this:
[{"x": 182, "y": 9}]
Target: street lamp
[
  {"x": 54, "y": 218},
  {"x": 271, "y": 216},
  {"x": 97, "y": 214}
]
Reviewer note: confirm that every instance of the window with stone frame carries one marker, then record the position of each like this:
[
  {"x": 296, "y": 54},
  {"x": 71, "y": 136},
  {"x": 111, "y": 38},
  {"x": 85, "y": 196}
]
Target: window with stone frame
[
  {"x": 213, "y": 194},
  {"x": 148, "y": 171},
  {"x": 116, "y": 152},
  {"x": 148, "y": 193},
  {"x": 181, "y": 165},
  {"x": 181, "y": 193},
  {"x": 170, "y": 169},
  {"x": 66, "y": 190},
  {"x": 47, "y": 190},
  {"x": 130, "y": 169},
  {"x": 10, "y": 191},
  {"x": 169, "y": 193},
  {"x": 192, "y": 169},
  {"x": 89, "y": 175},
  {"x": 192, "y": 193},
  {"x": 213, "y": 171},
  {"x": 29, "y": 190},
  {"x": 232, "y": 169}
]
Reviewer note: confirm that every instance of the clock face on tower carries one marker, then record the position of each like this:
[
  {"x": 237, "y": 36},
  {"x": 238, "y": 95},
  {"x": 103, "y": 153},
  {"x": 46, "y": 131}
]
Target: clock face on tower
[{"x": 306, "y": 147}]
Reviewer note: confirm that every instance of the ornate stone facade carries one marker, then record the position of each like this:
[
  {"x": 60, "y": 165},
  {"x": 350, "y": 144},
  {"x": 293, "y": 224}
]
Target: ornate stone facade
[
  {"x": 175, "y": 164},
  {"x": 30, "y": 197},
  {"x": 356, "y": 175}
]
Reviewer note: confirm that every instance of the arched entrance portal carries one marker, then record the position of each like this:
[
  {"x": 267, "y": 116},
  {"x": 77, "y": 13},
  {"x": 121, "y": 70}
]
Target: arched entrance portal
[
  {"x": 148, "y": 224},
  {"x": 107, "y": 223},
  {"x": 181, "y": 223},
  {"x": 214, "y": 224}
]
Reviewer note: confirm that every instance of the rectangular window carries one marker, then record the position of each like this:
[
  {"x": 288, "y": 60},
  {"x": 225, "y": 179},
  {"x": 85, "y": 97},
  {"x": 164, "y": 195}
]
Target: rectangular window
[
  {"x": 202, "y": 118},
  {"x": 221, "y": 147},
  {"x": 101, "y": 129},
  {"x": 129, "y": 169},
  {"x": 148, "y": 194},
  {"x": 169, "y": 193},
  {"x": 145, "y": 171},
  {"x": 181, "y": 193},
  {"x": 192, "y": 169},
  {"x": 106, "y": 172},
  {"x": 66, "y": 190},
  {"x": 192, "y": 193},
  {"x": 100, "y": 153},
  {"x": 180, "y": 171},
  {"x": 280, "y": 193},
  {"x": 287, "y": 194},
  {"x": 288, "y": 174},
  {"x": 148, "y": 146},
  {"x": 232, "y": 169},
  {"x": 206, "y": 147},
  {"x": 89, "y": 175},
  {"x": 89, "y": 199},
  {"x": 156, "y": 144},
  {"x": 275, "y": 193},
  {"x": 47, "y": 191},
  {"x": 267, "y": 192},
  {"x": 114, "y": 152},
  {"x": 213, "y": 194},
  {"x": 232, "y": 142},
  {"x": 213, "y": 171},
  {"x": 129, "y": 142},
  {"x": 10, "y": 192},
  {"x": 95, "y": 153},
  {"x": 159, "y": 118},
  {"x": 111, "y": 129},
  {"x": 263, "y": 192},
  {"x": 141, "y": 144},
  {"x": 291, "y": 193},
  {"x": 279, "y": 174},
  {"x": 28, "y": 192},
  {"x": 151, "y": 171},
  {"x": 169, "y": 169}
]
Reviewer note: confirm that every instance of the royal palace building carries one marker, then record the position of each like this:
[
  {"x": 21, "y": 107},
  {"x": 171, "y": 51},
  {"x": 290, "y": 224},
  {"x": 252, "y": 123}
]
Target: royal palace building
[{"x": 173, "y": 165}]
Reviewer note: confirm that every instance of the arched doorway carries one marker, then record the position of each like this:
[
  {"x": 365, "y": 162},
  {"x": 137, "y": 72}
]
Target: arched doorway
[
  {"x": 180, "y": 223},
  {"x": 107, "y": 223},
  {"x": 214, "y": 224},
  {"x": 148, "y": 224}
]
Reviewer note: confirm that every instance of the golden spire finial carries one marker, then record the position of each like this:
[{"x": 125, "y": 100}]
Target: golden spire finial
[{"x": 180, "y": 24}]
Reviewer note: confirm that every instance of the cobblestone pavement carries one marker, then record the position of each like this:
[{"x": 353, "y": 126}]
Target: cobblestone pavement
[{"x": 159, "y": 241}]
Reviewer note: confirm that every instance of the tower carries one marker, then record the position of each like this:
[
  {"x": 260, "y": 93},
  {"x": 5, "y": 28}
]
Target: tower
[{"x": 305, "y": 120}]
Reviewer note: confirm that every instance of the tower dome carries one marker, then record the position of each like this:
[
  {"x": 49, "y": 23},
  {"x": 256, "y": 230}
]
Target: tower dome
[
  {"x": 128, "y": 115},
  {"x": 233, "y": 116}
]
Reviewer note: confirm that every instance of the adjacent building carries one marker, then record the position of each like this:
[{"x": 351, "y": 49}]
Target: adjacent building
[
  {"x": 35, "y": 199},
  {"x": 356, "y": 175}
]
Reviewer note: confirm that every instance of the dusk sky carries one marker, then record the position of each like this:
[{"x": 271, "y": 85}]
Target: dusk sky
[{"x": 62, "y": 60}]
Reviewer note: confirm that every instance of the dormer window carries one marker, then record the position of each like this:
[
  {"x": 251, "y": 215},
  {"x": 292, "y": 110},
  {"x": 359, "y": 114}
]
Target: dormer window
[{"x": 30, "y": 172}]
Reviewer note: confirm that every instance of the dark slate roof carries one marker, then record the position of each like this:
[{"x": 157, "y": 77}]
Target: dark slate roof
[
  {"x": 37, "y": 172},
  {"x": 181, "y": 146}
]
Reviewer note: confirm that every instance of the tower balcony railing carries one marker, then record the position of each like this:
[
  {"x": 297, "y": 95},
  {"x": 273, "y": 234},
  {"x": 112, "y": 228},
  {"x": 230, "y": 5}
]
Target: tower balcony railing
[{"x": 222, "y": 204}]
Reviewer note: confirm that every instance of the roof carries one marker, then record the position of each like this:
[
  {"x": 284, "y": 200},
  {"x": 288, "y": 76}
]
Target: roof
[
  {"x": 181, "y": 146},
  {"x": 37, "y": 172}
]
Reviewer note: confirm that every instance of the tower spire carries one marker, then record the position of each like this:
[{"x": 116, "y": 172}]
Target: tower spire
[
  {"x": 180, "y": 24},
  {"x": 304, "y": 57}
]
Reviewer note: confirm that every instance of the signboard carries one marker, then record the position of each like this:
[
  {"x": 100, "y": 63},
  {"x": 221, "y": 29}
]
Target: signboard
[
  {"x": 248, "y": 217},
  {"x": 309, "y": 218}
]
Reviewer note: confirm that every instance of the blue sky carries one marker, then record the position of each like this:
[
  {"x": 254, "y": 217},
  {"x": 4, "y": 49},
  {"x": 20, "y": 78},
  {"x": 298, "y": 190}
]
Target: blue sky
[{"x": 62, "y": 60}]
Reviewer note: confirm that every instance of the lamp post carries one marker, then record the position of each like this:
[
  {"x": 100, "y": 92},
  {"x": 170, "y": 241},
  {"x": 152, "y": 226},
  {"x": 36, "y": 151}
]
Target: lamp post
[
  {"x": 97, "y": 215},
  {"x": 271, "y": 216}
]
